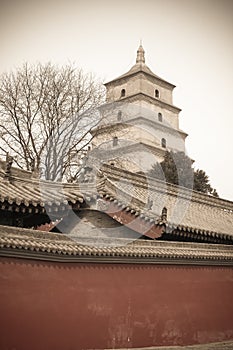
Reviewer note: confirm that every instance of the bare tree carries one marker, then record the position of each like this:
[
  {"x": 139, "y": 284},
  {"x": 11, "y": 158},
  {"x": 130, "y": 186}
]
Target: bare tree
[{"x": 46, "y": 113}]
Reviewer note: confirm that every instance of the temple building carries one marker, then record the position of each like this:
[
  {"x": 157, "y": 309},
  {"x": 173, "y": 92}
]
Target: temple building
[
  {"x": 139, "y": 120},
  {"x": 116, "y": 260},
  {"x": 129, "y": 263}
]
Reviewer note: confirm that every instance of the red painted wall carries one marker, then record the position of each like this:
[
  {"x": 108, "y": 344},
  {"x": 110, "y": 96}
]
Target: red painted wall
[{"x": 72, "y": 306}]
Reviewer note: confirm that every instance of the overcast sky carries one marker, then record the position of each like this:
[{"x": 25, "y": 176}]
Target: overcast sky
[{"x": 187, "y": 42}]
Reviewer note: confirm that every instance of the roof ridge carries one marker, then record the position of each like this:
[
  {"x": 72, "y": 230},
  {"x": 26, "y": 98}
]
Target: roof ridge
[
  {"x": 36, "y": 244},
  {"x": 171, "y": 188},
  {"x": 20, "y": 232},
  {"x": 148, "y": 214}
]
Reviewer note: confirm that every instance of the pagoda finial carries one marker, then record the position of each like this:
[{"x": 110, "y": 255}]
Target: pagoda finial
[{"x": 140, "y": 54}]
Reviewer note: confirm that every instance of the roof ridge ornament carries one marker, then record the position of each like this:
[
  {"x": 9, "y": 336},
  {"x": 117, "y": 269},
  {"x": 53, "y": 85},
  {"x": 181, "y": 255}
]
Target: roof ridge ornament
[
  {"x": 140, "y": 54},
  {"x": 8, "y": 166},
  {"x": 164, "y": 215}
]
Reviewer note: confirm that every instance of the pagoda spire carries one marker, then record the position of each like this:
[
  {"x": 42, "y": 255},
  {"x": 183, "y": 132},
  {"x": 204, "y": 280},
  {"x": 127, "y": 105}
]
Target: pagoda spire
[{"x": 140, "y": 54}]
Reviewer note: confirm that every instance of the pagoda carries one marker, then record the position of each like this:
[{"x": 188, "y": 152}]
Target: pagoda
[{"x": 139, "y": 121}]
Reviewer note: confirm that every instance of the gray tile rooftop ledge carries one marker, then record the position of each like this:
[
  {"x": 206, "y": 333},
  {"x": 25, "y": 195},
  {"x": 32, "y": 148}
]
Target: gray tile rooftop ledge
[{"x": 28, "y": 243}]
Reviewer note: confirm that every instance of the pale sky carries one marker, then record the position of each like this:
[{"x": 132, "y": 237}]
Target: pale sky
[{"x": 187, "y": 42}]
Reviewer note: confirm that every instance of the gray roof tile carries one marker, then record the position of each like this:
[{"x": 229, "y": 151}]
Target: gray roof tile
[
  {"x": 186, "y": 210},
  {"x": 14, "y": 241}
]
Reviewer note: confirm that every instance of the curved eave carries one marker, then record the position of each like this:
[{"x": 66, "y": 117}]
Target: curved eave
[
  {"x": 161, "y": 125},
  {"x": 147, "y": 72},
  {"x": 122, "y": 124},
  {"x": 130, "y": 148},
  {"x": 152, "y": 99},
  {"x": 194, "y": 232}
]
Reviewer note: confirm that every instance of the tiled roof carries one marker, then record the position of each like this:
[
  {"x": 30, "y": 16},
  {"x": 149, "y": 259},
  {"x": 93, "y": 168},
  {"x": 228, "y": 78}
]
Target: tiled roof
[
  {"x": 140, "y": 68},
  {"x": 186, "y": 210},
  {"x": 29, "y": 192},
  {"x": 34, "y": 244}
]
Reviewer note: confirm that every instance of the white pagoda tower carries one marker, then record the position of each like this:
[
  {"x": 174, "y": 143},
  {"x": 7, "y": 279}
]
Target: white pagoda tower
[{"x": 139, "y": 120}]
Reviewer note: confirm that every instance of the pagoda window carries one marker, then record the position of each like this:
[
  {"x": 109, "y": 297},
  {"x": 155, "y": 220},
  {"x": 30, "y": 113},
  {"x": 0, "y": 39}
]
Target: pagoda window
[
  {"x": 160, "y": 117},
  {"x": 115, "y": 141},
  {"x": 157, "y": 94},
  {"x": 123, "y": 93},
  {"x": 163, "y": 143},
  {"x": 119, "y": 115}
]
